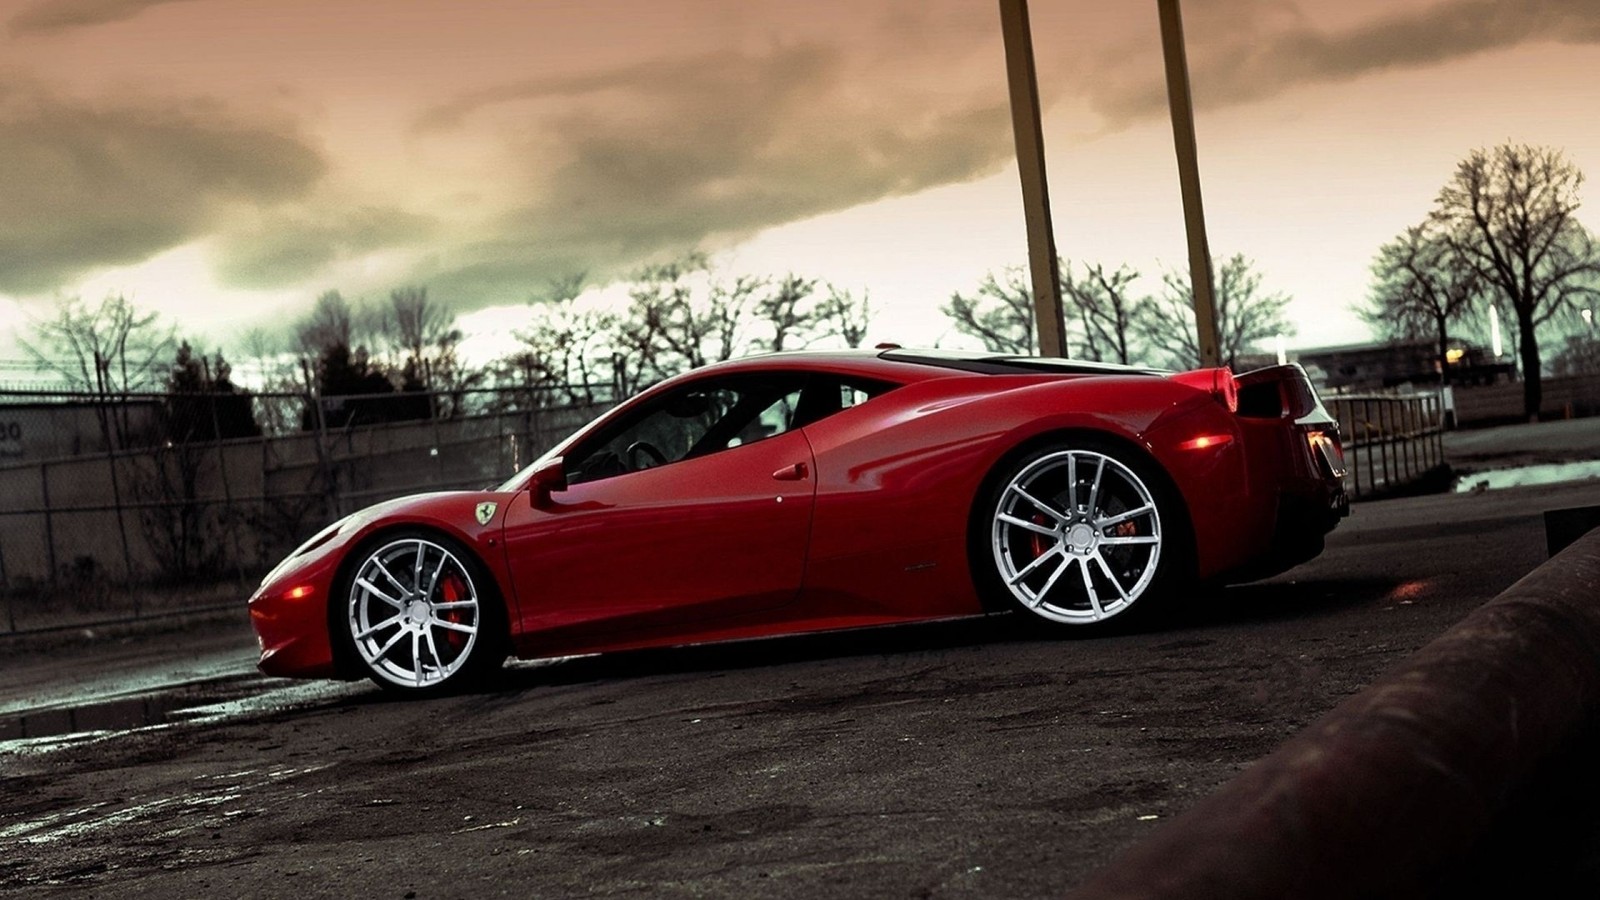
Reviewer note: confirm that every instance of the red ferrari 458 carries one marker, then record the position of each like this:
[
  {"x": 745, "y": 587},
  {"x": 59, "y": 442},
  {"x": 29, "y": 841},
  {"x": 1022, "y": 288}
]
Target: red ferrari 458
[{"x": 809, "y": 491}]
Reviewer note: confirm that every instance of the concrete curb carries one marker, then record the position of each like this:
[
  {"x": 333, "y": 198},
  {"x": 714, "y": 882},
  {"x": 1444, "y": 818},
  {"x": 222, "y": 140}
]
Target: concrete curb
[{"x": 1374, "y": 797}]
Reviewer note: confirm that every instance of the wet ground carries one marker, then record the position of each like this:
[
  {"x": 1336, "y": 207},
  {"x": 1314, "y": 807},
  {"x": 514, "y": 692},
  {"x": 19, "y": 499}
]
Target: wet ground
[
  {"x": 1517, "y": 455},
  {"x": 957, "y": 759},
  {"x": 1543, "y": 473},
  {"x": 1515, "y": 446}
]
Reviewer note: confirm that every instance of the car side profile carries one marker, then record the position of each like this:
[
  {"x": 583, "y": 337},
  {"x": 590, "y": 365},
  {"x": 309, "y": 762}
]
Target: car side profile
[{"x": 802, "y": 492}]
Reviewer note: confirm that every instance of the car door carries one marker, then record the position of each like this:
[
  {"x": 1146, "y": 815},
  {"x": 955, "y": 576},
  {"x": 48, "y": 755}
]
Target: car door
[{"x": 693, "y": 508}]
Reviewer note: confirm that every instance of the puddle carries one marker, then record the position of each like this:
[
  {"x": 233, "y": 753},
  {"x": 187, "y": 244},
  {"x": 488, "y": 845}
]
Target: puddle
[
  {"x": 220, "y": 698},
  {"x": 1551, "y": 473}
]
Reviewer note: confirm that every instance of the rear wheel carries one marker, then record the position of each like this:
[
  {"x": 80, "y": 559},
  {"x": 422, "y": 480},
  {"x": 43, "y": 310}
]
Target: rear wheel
[
  {"x": 1081, "y": 532},
  {"x": 419, "y": 615}
]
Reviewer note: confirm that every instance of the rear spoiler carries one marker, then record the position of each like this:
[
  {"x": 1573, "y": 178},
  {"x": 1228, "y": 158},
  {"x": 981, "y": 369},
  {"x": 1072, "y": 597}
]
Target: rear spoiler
[{"x": 1279, "y": 392}]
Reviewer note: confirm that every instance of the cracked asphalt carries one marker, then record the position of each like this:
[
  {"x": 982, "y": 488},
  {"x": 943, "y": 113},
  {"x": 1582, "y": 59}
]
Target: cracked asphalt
[{"x": 959, "y": 759}]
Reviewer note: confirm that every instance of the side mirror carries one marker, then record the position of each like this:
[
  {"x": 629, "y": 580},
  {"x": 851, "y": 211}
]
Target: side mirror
[{"x": 547, "y": 478}]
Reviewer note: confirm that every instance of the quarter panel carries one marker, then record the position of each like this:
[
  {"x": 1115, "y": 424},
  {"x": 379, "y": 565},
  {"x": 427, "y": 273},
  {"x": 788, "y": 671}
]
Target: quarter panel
[{"x": 897, "y": 476}]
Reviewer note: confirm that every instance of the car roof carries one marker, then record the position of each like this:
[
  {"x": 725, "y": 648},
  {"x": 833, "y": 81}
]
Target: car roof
[{"x": 905, "y": 364}]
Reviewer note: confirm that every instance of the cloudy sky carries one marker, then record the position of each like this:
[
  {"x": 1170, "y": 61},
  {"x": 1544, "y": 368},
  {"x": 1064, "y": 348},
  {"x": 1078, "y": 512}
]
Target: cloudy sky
[{"x": 225, "y": 161}]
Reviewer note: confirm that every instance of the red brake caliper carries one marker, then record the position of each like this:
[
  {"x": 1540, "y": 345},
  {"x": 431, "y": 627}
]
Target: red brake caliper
[
  {"x": 1040, "y": 543},
  {"x": 451, "y": 591}
]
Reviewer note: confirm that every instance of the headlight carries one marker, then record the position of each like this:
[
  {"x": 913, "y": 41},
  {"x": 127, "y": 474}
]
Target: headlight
[
  {"x": 316, "y": 540},
  {"x": 321, "y": 537}
]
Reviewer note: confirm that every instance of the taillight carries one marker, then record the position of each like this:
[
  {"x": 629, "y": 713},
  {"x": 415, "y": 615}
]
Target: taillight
[
  {"x": 1227, "y": 389},
  {"x": 1219, "y": 382},
  {"x": 1326, "y": 448}
]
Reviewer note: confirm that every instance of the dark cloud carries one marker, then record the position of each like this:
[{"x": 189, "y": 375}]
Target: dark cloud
[
  {"x": 1249, "y": 51},
  {"x": 288, "y": 247},
  {"x": 83, "y": 185},
  {"x": 655, "y": 158},
  {"x": 60, "y": 15}
]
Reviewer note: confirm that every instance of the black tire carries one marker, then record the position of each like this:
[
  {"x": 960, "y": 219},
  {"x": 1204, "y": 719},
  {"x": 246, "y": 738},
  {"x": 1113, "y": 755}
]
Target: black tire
[
  {"x": 386, "y": 624},
  {"x": 1081, "y": 532}
]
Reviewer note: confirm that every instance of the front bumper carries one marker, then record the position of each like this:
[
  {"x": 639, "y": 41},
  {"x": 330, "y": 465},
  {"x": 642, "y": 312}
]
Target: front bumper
[{"x": 290, "y": 617}]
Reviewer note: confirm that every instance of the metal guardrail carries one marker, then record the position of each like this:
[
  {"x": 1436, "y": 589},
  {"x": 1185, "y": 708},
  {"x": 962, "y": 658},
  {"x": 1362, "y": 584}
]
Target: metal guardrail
[{"x": 1390, "y": 441}]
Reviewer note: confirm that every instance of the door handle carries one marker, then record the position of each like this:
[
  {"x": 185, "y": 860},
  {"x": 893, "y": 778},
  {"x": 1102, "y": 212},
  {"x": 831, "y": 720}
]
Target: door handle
[{"x": 796, "y": 472}]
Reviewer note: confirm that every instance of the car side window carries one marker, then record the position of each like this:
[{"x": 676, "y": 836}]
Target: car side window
[
  {"x": 828, "y": 394},
  {"x": 694, "y": 420}
]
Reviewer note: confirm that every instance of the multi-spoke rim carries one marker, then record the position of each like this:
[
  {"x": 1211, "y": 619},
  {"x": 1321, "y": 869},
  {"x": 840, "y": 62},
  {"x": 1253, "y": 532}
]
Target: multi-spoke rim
[
  {"x": 413, "y": 613},
  {"x": 1076, "y": 536}
]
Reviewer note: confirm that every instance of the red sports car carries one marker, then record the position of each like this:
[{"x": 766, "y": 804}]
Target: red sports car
[{"x": 809, "y": 491}]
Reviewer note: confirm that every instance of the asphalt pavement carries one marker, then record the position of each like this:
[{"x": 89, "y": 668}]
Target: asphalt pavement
[{"x": 961, "y": 759}]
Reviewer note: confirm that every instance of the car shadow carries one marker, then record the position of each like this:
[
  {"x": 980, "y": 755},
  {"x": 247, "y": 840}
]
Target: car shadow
[
  {"x": 1208, "y": 606},
  {"x": 890, "y": 640}
]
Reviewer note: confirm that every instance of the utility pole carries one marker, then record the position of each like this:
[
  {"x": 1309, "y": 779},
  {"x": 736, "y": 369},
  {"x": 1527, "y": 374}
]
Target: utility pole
[
  {"x": 1026, "y": 125},
  {"x": 1194, "y": 215}
]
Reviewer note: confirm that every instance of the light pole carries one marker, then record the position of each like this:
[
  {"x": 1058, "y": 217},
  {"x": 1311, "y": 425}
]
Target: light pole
[
  {"x": 1026, "y": 126},
  {"x": 1194, "y": 215},
  {"x": 1029, "y": 133}
]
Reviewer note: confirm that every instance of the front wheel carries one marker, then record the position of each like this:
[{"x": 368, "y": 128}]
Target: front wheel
[
  {"x": 416, "y": 616},
  {"x": 1080, "y": 533}
]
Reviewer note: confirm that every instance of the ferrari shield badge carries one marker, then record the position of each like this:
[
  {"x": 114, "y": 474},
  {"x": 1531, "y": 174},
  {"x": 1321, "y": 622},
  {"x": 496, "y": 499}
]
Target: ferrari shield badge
[{"x": 485, "y": 512}]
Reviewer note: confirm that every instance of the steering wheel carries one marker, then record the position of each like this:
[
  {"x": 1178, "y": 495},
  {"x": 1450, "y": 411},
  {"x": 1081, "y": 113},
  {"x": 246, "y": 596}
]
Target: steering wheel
[{"x": 652, "y": 456}]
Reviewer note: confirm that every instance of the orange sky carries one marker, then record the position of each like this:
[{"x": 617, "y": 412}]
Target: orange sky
[{"x": 224, "y": 161}]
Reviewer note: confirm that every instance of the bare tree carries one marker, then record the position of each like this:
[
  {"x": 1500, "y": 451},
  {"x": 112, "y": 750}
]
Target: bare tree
[
  {"x": 1509, "y": 212},
  {"x": 566, "y": 354},
  {"x": 112, "y": 348},
  {"x": 330, "y": 323},
  {"x": 683, "y": 315},
  {"x": 109, "y": 350},
  {"x": 841, "y": 314},
  {"x": 652, "y": 330},
  {"x": 784, "y": 308},
  {"x": 1106, "y": 308},
  {"x": 269, "y": 357},
  {"x": 416, "y": 325},
  {"x": 1246, "y": 315},
  {"x": 722, "y": 317},
  {"x": 1000, "y": 313},
  {"x": 1420, "y": 285},
  {"x": 424, "y": 335},
  {"x": 182, "y": 529}
]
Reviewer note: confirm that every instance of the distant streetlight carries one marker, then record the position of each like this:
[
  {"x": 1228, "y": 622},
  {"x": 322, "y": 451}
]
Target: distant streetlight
[
  {"x": 1588, "y": 318},
  {"x": 1494, "y": 331}
]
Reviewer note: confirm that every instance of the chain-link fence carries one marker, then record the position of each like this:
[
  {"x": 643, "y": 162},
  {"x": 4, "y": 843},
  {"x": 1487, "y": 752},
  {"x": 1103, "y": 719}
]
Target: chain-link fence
[{"x": 131, "y": 506}]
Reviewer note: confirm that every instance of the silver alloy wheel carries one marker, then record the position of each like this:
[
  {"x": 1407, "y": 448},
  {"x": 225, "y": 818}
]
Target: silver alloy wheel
[
  {"x": 413, "y": 613},
  {"x": 1076, "y": 510}
]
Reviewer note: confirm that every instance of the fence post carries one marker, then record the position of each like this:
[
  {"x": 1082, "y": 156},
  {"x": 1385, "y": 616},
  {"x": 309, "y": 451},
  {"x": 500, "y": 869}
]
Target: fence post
[
  {"x": 1409, "y": 407},
  {"x": 1386, "y": 431},
  {"x": 49, "y": 520},
  {"x": 1371, "y": 447},
  {"x": 330, "y": 478},
  {"x": 1419, "y": 450},
  {"x": 222, "y": 471},
  {"x": 1438, "y": 434},
  {"x": 106, "y": 431},
  {"x": 5, "y": 588},
  {"x": 1350, "y": 429},
  {"x": 433, "y": 421},
  {"x": 261, "y": 509}
]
